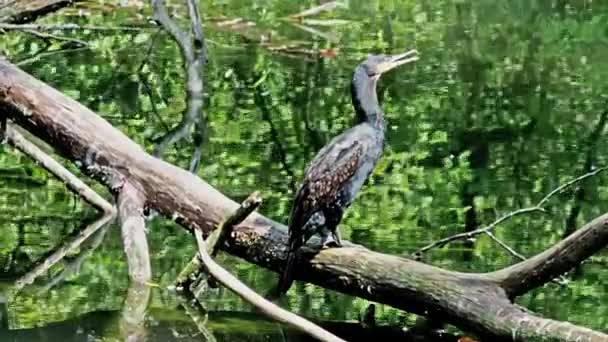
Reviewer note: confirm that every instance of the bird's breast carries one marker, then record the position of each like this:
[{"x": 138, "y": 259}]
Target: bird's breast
[{"x": 366, "y": 166}]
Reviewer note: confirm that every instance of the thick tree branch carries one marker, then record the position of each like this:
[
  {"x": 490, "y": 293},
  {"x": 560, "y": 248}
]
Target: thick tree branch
[
  {"x": 476, "y": 302},
  {"x": 559, "y": 259}
]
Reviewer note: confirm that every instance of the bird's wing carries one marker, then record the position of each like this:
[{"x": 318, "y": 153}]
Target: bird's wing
[{"x": 325, "y": 176}]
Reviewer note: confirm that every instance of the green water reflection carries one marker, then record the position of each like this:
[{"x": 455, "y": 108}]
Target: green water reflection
[{"x": 508, "y": 101}]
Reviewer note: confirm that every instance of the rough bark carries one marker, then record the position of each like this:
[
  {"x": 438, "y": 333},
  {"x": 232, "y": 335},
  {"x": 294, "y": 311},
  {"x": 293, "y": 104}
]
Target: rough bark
[
  {"x": 24, "y": 11},
  {"x": 477, "y": 302}
]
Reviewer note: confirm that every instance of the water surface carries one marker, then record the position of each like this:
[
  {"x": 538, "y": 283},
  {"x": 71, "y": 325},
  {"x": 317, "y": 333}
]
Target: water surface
[{"x": 507, "y": 102}]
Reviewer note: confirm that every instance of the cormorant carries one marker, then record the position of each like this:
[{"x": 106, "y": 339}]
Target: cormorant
[{"x": 336, "y": 174}]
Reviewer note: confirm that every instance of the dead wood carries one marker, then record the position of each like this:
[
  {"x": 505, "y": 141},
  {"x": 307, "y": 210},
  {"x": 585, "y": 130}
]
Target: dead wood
[{"x": 476, "y": 302}]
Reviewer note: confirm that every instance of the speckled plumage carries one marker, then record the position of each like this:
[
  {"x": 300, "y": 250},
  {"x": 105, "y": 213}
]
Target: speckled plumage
[{"x": 337, "y": 173}]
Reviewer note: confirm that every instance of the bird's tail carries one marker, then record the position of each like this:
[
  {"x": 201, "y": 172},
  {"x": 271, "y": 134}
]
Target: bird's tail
[{"x": 286, "y": 278}]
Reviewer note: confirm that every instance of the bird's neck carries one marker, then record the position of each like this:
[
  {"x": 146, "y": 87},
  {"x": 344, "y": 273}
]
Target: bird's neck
[{"x": 365, "y": 99}]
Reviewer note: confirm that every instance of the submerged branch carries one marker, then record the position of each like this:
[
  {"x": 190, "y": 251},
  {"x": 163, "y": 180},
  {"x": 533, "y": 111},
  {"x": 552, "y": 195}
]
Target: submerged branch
[
  {"x": 268, "y": 308},
  {"x": 130, "y": 202}
]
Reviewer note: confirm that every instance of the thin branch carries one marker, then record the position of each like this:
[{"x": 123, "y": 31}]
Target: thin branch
[
  {"x": 216, "y": 240},
  {"x": 570, "y": 183},
  {"x": 71, "y": 181},
  {"x": 39, "y": 56},
  {"x": 560, "y": 258},
  {"x": 143, "y": 80},
  {"x": 473, "y": 233},
  {"x": 505, "y": 246},
  {"x": 268, "y": 308},
  {"x": 48, "y": 36},
  {"x": 199, "y": 142},
  {"x": 197, "y": 27},
  {"x": 537, "y": 208}
]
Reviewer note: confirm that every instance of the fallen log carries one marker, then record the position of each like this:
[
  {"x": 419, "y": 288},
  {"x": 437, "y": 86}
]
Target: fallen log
[
  {"x": 24, "y": 11},
  {"x": 481, "y": 303}
]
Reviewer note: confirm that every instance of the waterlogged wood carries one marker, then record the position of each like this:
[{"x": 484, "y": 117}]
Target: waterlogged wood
[{"x": 476, "y": 302}]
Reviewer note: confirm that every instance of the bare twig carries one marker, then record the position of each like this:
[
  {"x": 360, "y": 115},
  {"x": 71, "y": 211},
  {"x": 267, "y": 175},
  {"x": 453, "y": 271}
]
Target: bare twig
[
  {"x": 329, "y": 36},
  {"x": 570, "y": 183},
  {"x": 74, "y": 184},
  {"x": 218, "y": 273},
  {"x": 38, "y": 56},
  {"x": 505, "y": 246},
  {"x": 268, "y": 308},
  {"x": 539, "y": 207},
  {"x": 143, "y": 80},
  {"x": 473, "y": 233},
  {"x": 48, "y": 36}
]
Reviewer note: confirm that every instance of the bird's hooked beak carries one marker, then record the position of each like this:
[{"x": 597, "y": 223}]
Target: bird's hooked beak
[{"x": 394, "y": 61}]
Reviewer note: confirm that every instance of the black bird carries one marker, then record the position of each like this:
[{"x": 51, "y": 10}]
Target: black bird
[{"x": 339, "y": 169}]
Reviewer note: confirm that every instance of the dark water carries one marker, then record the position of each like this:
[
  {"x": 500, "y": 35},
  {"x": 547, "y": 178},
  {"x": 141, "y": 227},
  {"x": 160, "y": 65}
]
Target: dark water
[{"x": 508, "y": 101}]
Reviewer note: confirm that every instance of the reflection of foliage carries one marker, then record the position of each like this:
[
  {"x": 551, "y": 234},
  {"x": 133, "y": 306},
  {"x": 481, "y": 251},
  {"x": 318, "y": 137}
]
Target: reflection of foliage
[{"x": 501, "y": 103}]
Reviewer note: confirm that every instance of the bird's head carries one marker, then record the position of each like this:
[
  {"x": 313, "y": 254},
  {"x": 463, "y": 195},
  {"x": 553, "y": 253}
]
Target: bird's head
[{"x": 376, "y": 65}]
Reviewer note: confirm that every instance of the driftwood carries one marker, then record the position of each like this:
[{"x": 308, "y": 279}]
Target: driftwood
[{"x": 481, "y": 303}]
